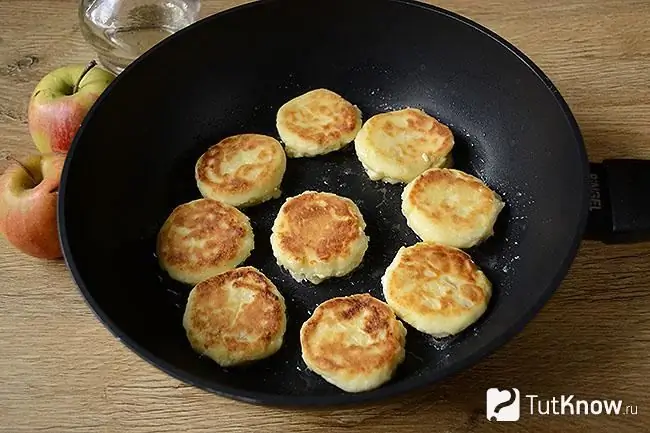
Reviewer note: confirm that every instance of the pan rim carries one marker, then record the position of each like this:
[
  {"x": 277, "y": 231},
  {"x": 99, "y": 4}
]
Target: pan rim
[{"x": 390, "y": 390}]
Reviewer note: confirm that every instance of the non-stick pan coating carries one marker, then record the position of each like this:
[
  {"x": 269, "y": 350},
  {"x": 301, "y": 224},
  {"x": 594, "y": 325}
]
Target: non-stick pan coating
[{"x": 133, "y": 162}]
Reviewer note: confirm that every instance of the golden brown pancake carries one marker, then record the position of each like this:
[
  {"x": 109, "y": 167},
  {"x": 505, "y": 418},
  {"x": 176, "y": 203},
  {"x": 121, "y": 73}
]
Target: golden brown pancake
[
  {"x": 316, "y": 123},
  {"x": 235, "y": 317},
  {"x": 399, "y": 145},
  {"x": 436, "y": 289},
  {"x": 450, "y": 207},
  {"x": 318, "y": 235},
  {"x": 203, "y": 238},
  {"x": 354, "y": 342},
  {"x": 242, "y": 170}
]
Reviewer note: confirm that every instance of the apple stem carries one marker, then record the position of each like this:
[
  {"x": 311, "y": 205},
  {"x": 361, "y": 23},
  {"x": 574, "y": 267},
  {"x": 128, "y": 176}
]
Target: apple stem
[
  {"x": 29, "y": 173},
  {"x": 87, "y": 69}
]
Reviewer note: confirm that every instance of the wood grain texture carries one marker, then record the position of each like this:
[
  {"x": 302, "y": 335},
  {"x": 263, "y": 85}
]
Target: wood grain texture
[{"x": 62, "y": 371}]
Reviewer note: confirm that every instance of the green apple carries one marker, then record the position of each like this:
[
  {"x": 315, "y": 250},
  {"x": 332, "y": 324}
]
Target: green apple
[{"x": 60, "y": 102}]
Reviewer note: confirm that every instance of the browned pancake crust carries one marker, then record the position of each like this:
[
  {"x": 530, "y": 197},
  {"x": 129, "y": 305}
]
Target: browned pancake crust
[
  {"x": 380, "y": 324},
  {"x": 427, "y": 263},
  {"x": 318, "y": 222},
  {"x": 343, "y": 117},
  {"x": 425, "y": 126},
  {"x": 220, "y": 226},
  {"x": 211, "y": 318},
  {"x": 477, "y": 200},
  {"x": 245, "y": 177}
]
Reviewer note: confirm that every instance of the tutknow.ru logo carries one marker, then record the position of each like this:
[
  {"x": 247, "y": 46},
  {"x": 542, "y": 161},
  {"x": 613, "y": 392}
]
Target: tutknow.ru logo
[{"x": 506, "y": 405}]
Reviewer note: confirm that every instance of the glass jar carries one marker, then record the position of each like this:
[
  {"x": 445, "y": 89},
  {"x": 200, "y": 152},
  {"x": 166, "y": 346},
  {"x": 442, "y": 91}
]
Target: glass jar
[{"x": 122, "y": 30}]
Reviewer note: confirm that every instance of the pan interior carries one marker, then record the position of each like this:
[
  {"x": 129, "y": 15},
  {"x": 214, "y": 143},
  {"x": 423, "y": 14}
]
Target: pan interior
[{"x": 133, "y": 161}]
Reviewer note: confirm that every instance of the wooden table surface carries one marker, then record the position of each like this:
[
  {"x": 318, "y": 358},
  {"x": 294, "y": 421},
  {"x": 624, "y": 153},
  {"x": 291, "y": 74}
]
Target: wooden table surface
[{"x": 62, "y": 371}]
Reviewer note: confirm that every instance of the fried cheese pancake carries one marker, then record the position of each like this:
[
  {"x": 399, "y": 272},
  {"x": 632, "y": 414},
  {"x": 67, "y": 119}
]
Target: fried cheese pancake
[
  {"x": 397, "y": 146},
  {"x": 242, "y": 170},
  {"x": 203, "y": 238},
  {"x": 451, "y": 207},
  {"x": 236, "y": 317},
  {"x": 319, "y": 235},
  {"x": 316, "y": 123},
  {"x": 355, "y": 343},
  {"x": 436, "y": 289}
]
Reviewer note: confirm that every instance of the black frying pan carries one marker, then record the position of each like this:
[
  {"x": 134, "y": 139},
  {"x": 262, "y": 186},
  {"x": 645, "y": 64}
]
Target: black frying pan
[{"x": 133, "y": 160}]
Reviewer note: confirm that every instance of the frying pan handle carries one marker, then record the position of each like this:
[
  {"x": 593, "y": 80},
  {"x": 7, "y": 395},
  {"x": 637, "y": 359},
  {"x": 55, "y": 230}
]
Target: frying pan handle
[{"x": 619, "y": 209}]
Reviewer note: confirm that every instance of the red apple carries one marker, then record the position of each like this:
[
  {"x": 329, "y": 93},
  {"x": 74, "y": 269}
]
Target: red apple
[
  {"x": 60, "y": 102},
  {"x": 28, "y": 196}
]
